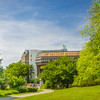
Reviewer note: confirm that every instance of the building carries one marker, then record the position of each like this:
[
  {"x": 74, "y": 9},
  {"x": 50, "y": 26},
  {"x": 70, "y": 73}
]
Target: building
[{"x": 39, "y": 58}]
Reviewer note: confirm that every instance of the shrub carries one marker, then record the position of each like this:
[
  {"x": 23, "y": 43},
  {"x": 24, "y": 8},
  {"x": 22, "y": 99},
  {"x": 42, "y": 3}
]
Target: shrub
[
  {"x": 70, "y": 86},
  {"x": 27, "y": 89},
  {"x": 15, "y": 91},
  {"x": 22, "y": 89},
  {"x": 32, "y": 81},
  {"x": 37, "y": 81},
  {"x": 8, "y": 92},
  {"x": 96, "y": 81},
  {"x": 43, "y": 86},
  {"x": 32, "y": 89}
]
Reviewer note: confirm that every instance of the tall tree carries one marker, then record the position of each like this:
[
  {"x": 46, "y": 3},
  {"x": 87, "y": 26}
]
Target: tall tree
[
  {"x": 88, "y": 64},
  {"x": 59, "y": 73}
]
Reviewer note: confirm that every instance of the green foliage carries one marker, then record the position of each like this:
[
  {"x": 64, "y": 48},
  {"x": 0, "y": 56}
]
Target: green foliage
[
  {"x": 32, "y": 89},
  {"x": 32, "y": 81},
  {"x": 1, "y": 72},
  {"x": 2, "y": 84},
  {"x": 8, "y": 92},
  {"x": 18, "y": 69},
  {"x": 64, "y": 46},
  {"x": 22, "y": 89},
  {"x": 37, "y": 81},
  {"x": 27, "y": 89},
  {"x": 59, "y": 73},
  {"x": 16, "y": 82},
  {"x": 2, "y": 80},
  {"x": 88, "y": 65},
  {"x": 96, "y": 82},
  {"x": 43, "y": 86}
]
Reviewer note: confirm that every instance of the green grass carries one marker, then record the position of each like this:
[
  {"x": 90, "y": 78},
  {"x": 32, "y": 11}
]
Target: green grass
[{"x": 75, "y": 93}]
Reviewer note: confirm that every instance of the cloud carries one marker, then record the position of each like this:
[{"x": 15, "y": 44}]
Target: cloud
[
  {"x": 17, "y": 36},
  {"x": 36, "y": 13}
]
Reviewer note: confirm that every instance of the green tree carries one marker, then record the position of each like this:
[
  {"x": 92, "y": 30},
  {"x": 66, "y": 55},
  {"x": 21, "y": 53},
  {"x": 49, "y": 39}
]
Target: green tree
[
  {"x": 88, "y": 64},
  {"x": 59, "y": 73},
  {"x": 18, "y": 69},
  {"x": 1, "y": 72},
  {"x": 64, "y": 46},
  {"x": 16, "y": 82},
  {"x": 2, "y": 83},
  {"x": 2, "y": 80}
]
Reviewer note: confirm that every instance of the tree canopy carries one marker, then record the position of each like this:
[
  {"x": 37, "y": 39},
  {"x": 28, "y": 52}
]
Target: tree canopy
[
  {"x": 2, "y": 80},
  {"x": 59, "y": 73},
  {"x": 1, "y": 72},
  {"x": 88, "y": 65},
  {"x": 18, "y": 69}
]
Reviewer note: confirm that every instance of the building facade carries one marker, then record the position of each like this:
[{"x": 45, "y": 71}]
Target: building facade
[{"x": 39, "y": 58}]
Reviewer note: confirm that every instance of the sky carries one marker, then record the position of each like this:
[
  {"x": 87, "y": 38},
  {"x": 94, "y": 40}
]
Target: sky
[{"x": 40, "y": 24}]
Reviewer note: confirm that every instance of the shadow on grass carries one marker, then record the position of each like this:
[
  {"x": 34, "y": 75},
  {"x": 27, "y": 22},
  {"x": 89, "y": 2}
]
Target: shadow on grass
[
  {"x": 13, "y": 96},
  {"x": 8, "y": 98}
]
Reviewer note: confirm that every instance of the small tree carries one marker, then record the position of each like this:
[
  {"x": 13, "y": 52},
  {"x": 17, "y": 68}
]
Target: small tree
[
  {"x": 2, "y": 83},
  {"x": 2, "y": 80},
  {"x": 59, "y": 73},
  {"x": 18, "y": 69},
  {"x": 1, "y": 72}
]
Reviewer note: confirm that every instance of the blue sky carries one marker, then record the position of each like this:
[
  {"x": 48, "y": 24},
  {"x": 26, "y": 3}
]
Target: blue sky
[{"x": 40, "y": 24}]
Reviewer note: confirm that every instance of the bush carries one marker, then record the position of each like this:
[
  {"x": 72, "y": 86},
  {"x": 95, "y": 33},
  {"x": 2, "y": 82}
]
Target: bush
[
  {"x": 27, "y": 89},
  {"x": 15, "y": 91},
  {"x": 37, "y": 81},
  {"x": 32, "y": 81},
  {"x": 32, "y": 89},
  {"x": 43, "y": 86},
  {"x": 8, "y": 92},
  {"x": 22, "y": 89},
  {"x": 96, "y": 82}
]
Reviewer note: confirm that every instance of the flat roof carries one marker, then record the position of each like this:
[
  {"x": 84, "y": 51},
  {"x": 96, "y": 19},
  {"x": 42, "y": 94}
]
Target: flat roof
[{"x": 62, "y": 50}]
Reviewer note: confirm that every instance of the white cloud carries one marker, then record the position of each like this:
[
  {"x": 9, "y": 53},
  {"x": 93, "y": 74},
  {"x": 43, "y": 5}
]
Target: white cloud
[
  {"x": 16, "y": 36},
  {"x": 36, "y": 13}
]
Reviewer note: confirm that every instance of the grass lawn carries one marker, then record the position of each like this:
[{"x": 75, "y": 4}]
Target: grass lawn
[{"x": 75, "y": 93}]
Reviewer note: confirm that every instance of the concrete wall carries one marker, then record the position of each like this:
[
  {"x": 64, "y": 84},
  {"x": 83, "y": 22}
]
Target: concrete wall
[{"x": 32, "y": 57}]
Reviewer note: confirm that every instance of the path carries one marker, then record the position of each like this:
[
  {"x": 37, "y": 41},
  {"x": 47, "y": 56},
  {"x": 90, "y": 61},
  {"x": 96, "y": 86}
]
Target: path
[{"x": 25, "y": 95}]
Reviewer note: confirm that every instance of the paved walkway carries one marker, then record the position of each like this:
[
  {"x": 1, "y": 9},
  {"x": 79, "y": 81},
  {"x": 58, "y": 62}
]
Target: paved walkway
[{"x": 26, "y": 95}]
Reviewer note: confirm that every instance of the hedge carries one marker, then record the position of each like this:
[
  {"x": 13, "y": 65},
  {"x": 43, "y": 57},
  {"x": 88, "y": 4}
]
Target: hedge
[
  {"x": 8, "y": 92},
  {"x": 27, "y": 89}
]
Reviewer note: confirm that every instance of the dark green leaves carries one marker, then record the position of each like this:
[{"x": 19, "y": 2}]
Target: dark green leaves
[{"x": 59, "y": 73}]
